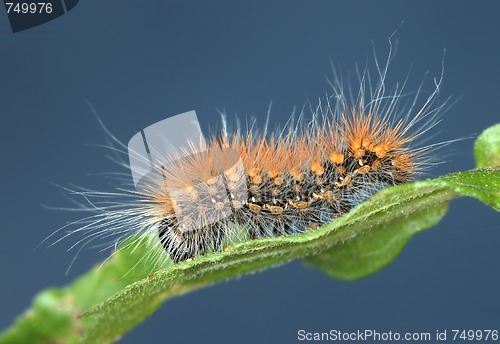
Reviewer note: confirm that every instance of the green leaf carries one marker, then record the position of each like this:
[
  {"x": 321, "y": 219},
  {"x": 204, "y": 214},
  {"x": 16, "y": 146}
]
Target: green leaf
[
  {"x": 123, "y": 293},
  {"x": 487, "y": 148},
  {"x": 400, "y": 213},
  {"x": 55, "y": 314},
  {"x": 423, "y": 203}
]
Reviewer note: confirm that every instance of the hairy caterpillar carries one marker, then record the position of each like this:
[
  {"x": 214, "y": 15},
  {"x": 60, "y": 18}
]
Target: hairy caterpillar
[{"x": 193, "y": 197}]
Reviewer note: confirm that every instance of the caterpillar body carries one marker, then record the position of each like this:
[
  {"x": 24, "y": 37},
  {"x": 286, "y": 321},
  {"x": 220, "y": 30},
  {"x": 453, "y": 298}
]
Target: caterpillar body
[
  {"x": 247, "y": 184},
  {"x": 277, "y": 186}
]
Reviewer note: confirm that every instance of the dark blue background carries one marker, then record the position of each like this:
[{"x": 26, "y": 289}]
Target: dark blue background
[{"x": 138, "y": 62}]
